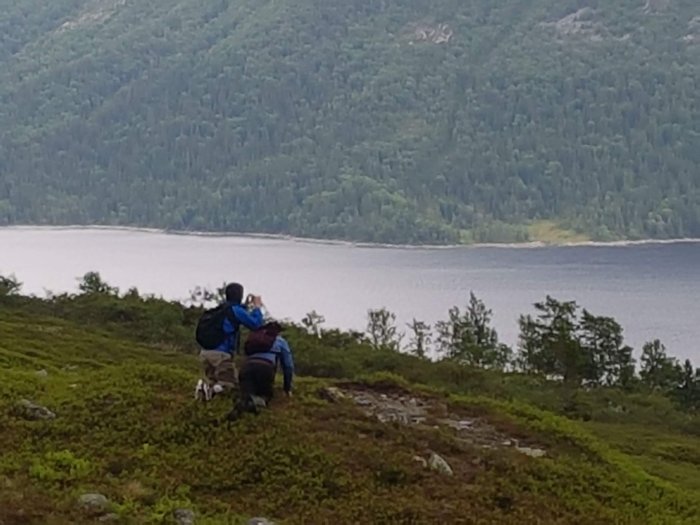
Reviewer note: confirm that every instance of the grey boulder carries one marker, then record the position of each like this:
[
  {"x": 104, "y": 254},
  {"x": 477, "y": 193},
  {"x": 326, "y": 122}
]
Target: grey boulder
[
  {"x": 34, "y": 412},
  {"x": 438, "y": 464},
  {"x": 532, "y": 452},
  {"x": 94, "y": 503},
  {"x": 184, "y": 517}
]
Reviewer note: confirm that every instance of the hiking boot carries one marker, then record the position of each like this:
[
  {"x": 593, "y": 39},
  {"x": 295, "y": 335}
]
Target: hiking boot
[
  {"x": 256, "y": 403},
  {"x": 203, "y": 392},
  {"x": 199, "y": 392},
  {"x": 208, "y": 392},
  {"x": 217, "y": 389},
  {"x": 240, "y": 407}
]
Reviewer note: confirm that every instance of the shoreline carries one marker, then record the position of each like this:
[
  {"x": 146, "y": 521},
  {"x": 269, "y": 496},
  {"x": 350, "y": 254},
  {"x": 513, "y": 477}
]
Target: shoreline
[{"x": 357, "y": 244}]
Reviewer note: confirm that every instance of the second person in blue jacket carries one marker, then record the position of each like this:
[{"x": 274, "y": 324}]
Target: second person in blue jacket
[{"x": 257, "y": 377}]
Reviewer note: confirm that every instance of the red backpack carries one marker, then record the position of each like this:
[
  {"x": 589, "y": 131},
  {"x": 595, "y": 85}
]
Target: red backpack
[{"x": 261, "y": 340}]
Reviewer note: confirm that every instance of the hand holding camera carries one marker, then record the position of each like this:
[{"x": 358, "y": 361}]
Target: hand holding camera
[{"x": 253, "y": 301}]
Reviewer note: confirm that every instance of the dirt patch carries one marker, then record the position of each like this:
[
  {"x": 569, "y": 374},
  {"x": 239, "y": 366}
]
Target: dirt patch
[{"x": 405, "y": 409}]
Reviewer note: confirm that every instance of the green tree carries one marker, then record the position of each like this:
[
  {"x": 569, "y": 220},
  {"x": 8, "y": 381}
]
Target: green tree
[
  {"x": 658, "y": 370},
  {"x": 9, "y": 285},
  {"x": 382, "y": 331},
  {"x": 92, "y": 283},
  {"x": 420, "y": 338},
  {"x": 313, "y": 321},
  {"x": 453, "y": 339},
  {"x": 688, "y": 391},
  {"x": 609, "y": 360},
  {"x": 469, "y": 338},
  {"x": 549, "y": 344}
]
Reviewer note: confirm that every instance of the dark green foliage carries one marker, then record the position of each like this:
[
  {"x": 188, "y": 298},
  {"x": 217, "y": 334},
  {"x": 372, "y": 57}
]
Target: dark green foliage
[
  {"x": 588, "y": 349},
  {"x": 610, "y": 361},
  {"x": 382, "y": 331},
  {"x": 92, "y": 283},
  {"x": 420, "y": 338},
  {"x": 688, "y": 390},
  {"x": 347, "y": 119},
  {"x": 469, "y": 338},
  {"x": 658, "y": 370},
  {"x": 548, "y": 342},
  {"x": 9, "y": 285}
]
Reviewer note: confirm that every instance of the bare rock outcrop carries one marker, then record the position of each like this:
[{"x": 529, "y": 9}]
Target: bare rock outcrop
[
  {"x": 582, "y": 24},
  {"x": 430, "y": 33}
]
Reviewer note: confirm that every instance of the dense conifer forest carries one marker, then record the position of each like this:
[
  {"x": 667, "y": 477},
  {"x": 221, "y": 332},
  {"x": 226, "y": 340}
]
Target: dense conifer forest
[{"x": 391, "y": 121}]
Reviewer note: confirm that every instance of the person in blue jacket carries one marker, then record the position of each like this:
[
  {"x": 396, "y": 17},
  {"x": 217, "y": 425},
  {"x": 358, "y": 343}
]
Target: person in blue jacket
[
  {"x": 257, "y": 377},
  {"x": 217, "y": 365}
]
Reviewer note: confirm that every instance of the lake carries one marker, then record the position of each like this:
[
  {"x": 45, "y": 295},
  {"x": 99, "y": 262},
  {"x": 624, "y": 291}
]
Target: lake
[{"x": 651, "y": 289}]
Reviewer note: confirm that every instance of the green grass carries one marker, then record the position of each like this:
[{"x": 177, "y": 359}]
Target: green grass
[
  {"x": 672, "y": 456},
  {"x": 550, "y": 232},
  {"x": 127, "y": 427}
]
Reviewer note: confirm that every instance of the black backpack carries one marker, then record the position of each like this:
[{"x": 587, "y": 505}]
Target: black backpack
[
  {"x": 210, "y": 327},
  {"x": 261, "y": 340}
]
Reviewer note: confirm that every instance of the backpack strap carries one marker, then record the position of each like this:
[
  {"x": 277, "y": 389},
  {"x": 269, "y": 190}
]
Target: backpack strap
[{"x": 231, "y": 316}]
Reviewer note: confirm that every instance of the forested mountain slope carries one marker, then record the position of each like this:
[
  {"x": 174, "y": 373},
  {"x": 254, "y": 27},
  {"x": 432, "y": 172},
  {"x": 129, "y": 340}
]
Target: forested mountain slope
[{"x": 392, "y": 121}]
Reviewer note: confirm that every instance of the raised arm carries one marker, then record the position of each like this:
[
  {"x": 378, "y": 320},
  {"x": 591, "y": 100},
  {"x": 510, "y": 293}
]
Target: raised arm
[{"x": 251, "y": 320}]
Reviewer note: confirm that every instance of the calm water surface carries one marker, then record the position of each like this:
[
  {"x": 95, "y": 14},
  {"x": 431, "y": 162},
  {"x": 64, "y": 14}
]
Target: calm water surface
[{"x": 652, "y": 289}]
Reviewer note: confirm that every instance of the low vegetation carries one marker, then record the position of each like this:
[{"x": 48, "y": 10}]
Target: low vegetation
[{"x": 117, "y": 372}]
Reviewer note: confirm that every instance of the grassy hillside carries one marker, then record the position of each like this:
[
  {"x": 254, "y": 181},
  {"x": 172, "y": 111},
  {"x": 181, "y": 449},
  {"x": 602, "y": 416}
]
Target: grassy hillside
[
  {"x": 119, "y": 375},
  {"x": 407, "y": 121}
]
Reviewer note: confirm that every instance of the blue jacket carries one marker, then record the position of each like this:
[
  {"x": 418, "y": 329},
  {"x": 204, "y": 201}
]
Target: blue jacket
[
  {"x": 251, "y": 320},
  {"x": 281, "y": 353}
]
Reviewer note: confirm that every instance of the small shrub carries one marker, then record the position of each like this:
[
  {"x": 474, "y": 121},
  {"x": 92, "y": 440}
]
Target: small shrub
[{"x": 62, "y": 466}]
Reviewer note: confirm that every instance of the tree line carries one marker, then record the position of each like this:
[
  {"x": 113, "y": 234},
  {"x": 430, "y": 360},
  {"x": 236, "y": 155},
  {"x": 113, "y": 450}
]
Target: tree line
[{"x": 561, "y": 341}]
